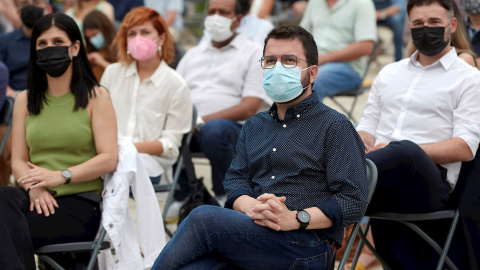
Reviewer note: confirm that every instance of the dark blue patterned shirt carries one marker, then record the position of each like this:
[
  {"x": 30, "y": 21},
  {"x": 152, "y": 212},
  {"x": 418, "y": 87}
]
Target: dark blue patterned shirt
[{"x": 314, "y": 158}]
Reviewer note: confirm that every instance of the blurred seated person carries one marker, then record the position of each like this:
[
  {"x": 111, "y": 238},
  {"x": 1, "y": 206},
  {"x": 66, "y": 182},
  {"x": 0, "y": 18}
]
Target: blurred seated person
[
  {"x": 15, "y": 46},
  {"x": 472, "y": 23},
  {"x": 122, "y": 7},
  {"x": 225, "y": 87},
  {"x": 392, "y": 13},
  {"x": 345, "y": 33},
  {"x": 64, "y": 138},
  {"x": 9, "y": 17},
  {"x": 151, "y": 100},
  {"x": 99, "y": 33},
  {"x": 171, "y": 11},
  {"x": 81, "y": 8},
  {"x": 251, "y": 26},
  {"x": 5, "y": 154},
  {"x": 262, "y": 8}
]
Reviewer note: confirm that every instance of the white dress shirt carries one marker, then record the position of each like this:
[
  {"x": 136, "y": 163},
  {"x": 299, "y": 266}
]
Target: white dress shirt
[
  {"x": 157, "y": 109},
  {"x": 221, "y": 78},
  {"x": 137, "y": 246},
  {"x": 425, "y": 104}
]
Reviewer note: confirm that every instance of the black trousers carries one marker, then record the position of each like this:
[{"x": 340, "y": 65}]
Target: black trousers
[
  {"x": 408, "y": 182},
  {"x": 22, "y": 231}
]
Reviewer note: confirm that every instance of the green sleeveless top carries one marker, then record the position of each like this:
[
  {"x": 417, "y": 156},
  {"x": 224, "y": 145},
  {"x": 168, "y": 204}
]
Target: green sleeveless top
[{"x": 59, "y": 138}]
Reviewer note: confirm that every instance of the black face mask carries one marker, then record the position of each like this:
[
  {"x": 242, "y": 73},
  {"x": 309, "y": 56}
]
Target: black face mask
[
  {"x": 30, "y": 15},
  {"x": 54, "y": 60},
  {"x": 429, "y": 40}
]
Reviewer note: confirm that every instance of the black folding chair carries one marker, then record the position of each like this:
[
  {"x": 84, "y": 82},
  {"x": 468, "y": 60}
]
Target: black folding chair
[
  {"x": 6, "y": 119},
  {"x": 372, "y": 175},
  {"x": 170, "y": 187}
]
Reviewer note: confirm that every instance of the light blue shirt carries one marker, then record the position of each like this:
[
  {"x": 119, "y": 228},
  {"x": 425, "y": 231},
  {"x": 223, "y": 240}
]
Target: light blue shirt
[{"x": 164, "y": 6}]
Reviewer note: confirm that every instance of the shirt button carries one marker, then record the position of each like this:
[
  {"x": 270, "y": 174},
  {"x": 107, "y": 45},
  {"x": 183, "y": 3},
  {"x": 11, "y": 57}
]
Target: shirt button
[
  {"x": 298, "y": 115},
  {"x": 274, "y": 149},
  {"x": 284, "y": 125},
  {"x": 273, "y": 176}
]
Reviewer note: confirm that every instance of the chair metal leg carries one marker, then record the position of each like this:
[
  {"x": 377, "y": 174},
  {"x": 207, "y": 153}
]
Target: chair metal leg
[
  {"x": 360, "y": 244},
  {"x": 448, "y": 241},
  {"x": 349, "y": 246},
  {"x": 372, "y": 249},
  {"x": 96, "y": 248}
]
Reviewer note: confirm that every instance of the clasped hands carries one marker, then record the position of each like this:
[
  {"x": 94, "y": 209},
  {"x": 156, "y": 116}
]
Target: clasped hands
[
  {"x": 270, "y": 211},
  {"x": 37, "y": 179}
]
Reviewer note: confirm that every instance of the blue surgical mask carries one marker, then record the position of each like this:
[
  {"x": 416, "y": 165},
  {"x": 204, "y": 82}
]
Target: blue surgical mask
[
  {"x": 283, "y": 84},
  {"x": 98, "y": 41}
]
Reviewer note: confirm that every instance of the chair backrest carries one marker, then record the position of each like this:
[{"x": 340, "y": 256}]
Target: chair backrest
[
  {"x": 372, "y": 175},
  {"x": 6, "y": 119},
  {"x": 7, "y": 112}
]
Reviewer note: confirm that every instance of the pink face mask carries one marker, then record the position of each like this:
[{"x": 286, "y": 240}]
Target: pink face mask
[{"x": 142, "y": 48}]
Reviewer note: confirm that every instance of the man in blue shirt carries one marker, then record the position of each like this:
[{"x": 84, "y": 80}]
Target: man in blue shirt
[
  {"x": 392, "y": 13},
  {"x": 15, "y": 46},
  {"x": 298, "y": 178}
]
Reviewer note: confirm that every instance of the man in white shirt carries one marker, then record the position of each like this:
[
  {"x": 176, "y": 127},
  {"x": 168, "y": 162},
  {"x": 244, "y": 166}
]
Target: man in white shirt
[
  {"x": 225, "y": 79},
  {"x": 420, "y": 122},
  {"x": 251, "y": 26}
]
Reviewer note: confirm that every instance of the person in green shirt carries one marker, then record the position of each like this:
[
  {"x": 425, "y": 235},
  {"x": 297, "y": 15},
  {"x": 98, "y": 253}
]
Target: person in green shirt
[{"x": 64, "y": 138}]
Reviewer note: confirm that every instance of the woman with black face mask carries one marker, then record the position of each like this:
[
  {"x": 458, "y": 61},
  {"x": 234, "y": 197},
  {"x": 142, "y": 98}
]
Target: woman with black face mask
[{"x": 64, "y": 138}]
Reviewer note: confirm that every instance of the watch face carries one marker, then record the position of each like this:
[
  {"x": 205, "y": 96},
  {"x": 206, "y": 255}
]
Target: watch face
[
  {"x": 303, "y": 216},
  {"x": 67, "y": 174}
]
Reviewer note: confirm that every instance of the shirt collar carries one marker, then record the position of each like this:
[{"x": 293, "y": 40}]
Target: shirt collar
[
  {"x": 156, "y": 76},
  {"x": 299, "y": 109},
  {"x": 236, "y": 43},
  {"x": 446, "y": 61}
]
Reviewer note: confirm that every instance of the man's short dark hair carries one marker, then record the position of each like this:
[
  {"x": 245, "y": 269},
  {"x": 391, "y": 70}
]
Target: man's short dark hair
[
  {"x": 447, "y": 4},
  {"x": 296, "y": 32}
]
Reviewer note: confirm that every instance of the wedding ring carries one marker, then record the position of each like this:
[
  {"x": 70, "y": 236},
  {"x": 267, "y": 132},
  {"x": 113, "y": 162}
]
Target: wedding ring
[{"x": 37, "y": 200}]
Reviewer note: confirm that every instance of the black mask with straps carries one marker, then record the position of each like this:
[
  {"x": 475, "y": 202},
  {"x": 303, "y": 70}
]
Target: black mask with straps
[
  {"x": 30, "y": 15},
  {"x": 429, "y": 40},
  {"x": 54, "y": 60}
]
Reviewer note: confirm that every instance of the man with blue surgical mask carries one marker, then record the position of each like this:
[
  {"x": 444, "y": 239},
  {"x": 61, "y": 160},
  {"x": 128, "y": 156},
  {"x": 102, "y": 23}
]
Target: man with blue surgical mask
[
  {"x": 421, "y": 121},
  {"x": 225, "y": 80},
  {"x": 298, "y": 178}
]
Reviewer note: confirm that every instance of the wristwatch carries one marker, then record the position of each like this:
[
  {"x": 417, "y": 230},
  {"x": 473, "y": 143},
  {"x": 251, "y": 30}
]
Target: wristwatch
[
  {"x": 68, "y": 176},
  {"x": 304, "y": 218}
]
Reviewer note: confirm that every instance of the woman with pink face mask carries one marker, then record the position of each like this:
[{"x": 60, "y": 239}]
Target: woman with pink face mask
[{"x": 151, "y": 100}]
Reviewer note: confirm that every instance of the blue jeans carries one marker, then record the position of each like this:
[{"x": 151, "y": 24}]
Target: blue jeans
[
  {"x": 217, "y": 140},
  {"x": 396, "y": 22},
  {"x": 212, "y": 237},
  {"x": 334, "y": 78}
]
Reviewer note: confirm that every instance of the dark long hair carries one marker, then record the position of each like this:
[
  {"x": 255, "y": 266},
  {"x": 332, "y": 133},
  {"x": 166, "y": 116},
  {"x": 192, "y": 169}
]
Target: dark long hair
[
  {"x": 83, "y": 81},
  {"x": 98, "y": 20}
]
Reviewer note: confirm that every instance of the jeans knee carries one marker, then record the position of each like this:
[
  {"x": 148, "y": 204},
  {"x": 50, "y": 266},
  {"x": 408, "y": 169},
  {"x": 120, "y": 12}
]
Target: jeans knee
[
  {"x": 202, "y": 213},
  {"x": 407, "y": 150}
]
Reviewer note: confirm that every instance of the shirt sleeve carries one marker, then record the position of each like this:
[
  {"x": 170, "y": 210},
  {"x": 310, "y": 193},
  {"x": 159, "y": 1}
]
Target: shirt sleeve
[
  {"x": 3, "y": 82},
  {"x": 178, "y": 121},
  {"x": 466, "y": 115},
  {"x": 346, "y": 175},
  {"x": 365, "y": 22},
  {"x": 401, "y": 4},
  {"x": 253, "y": 86},
  {"x": 306, "y": 21},
  {"x": 237, "y": 179},
  {"x": 371, "y": 111}
]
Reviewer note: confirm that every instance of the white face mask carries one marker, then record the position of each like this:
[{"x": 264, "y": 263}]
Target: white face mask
[{"x": 219, "y": 27}]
